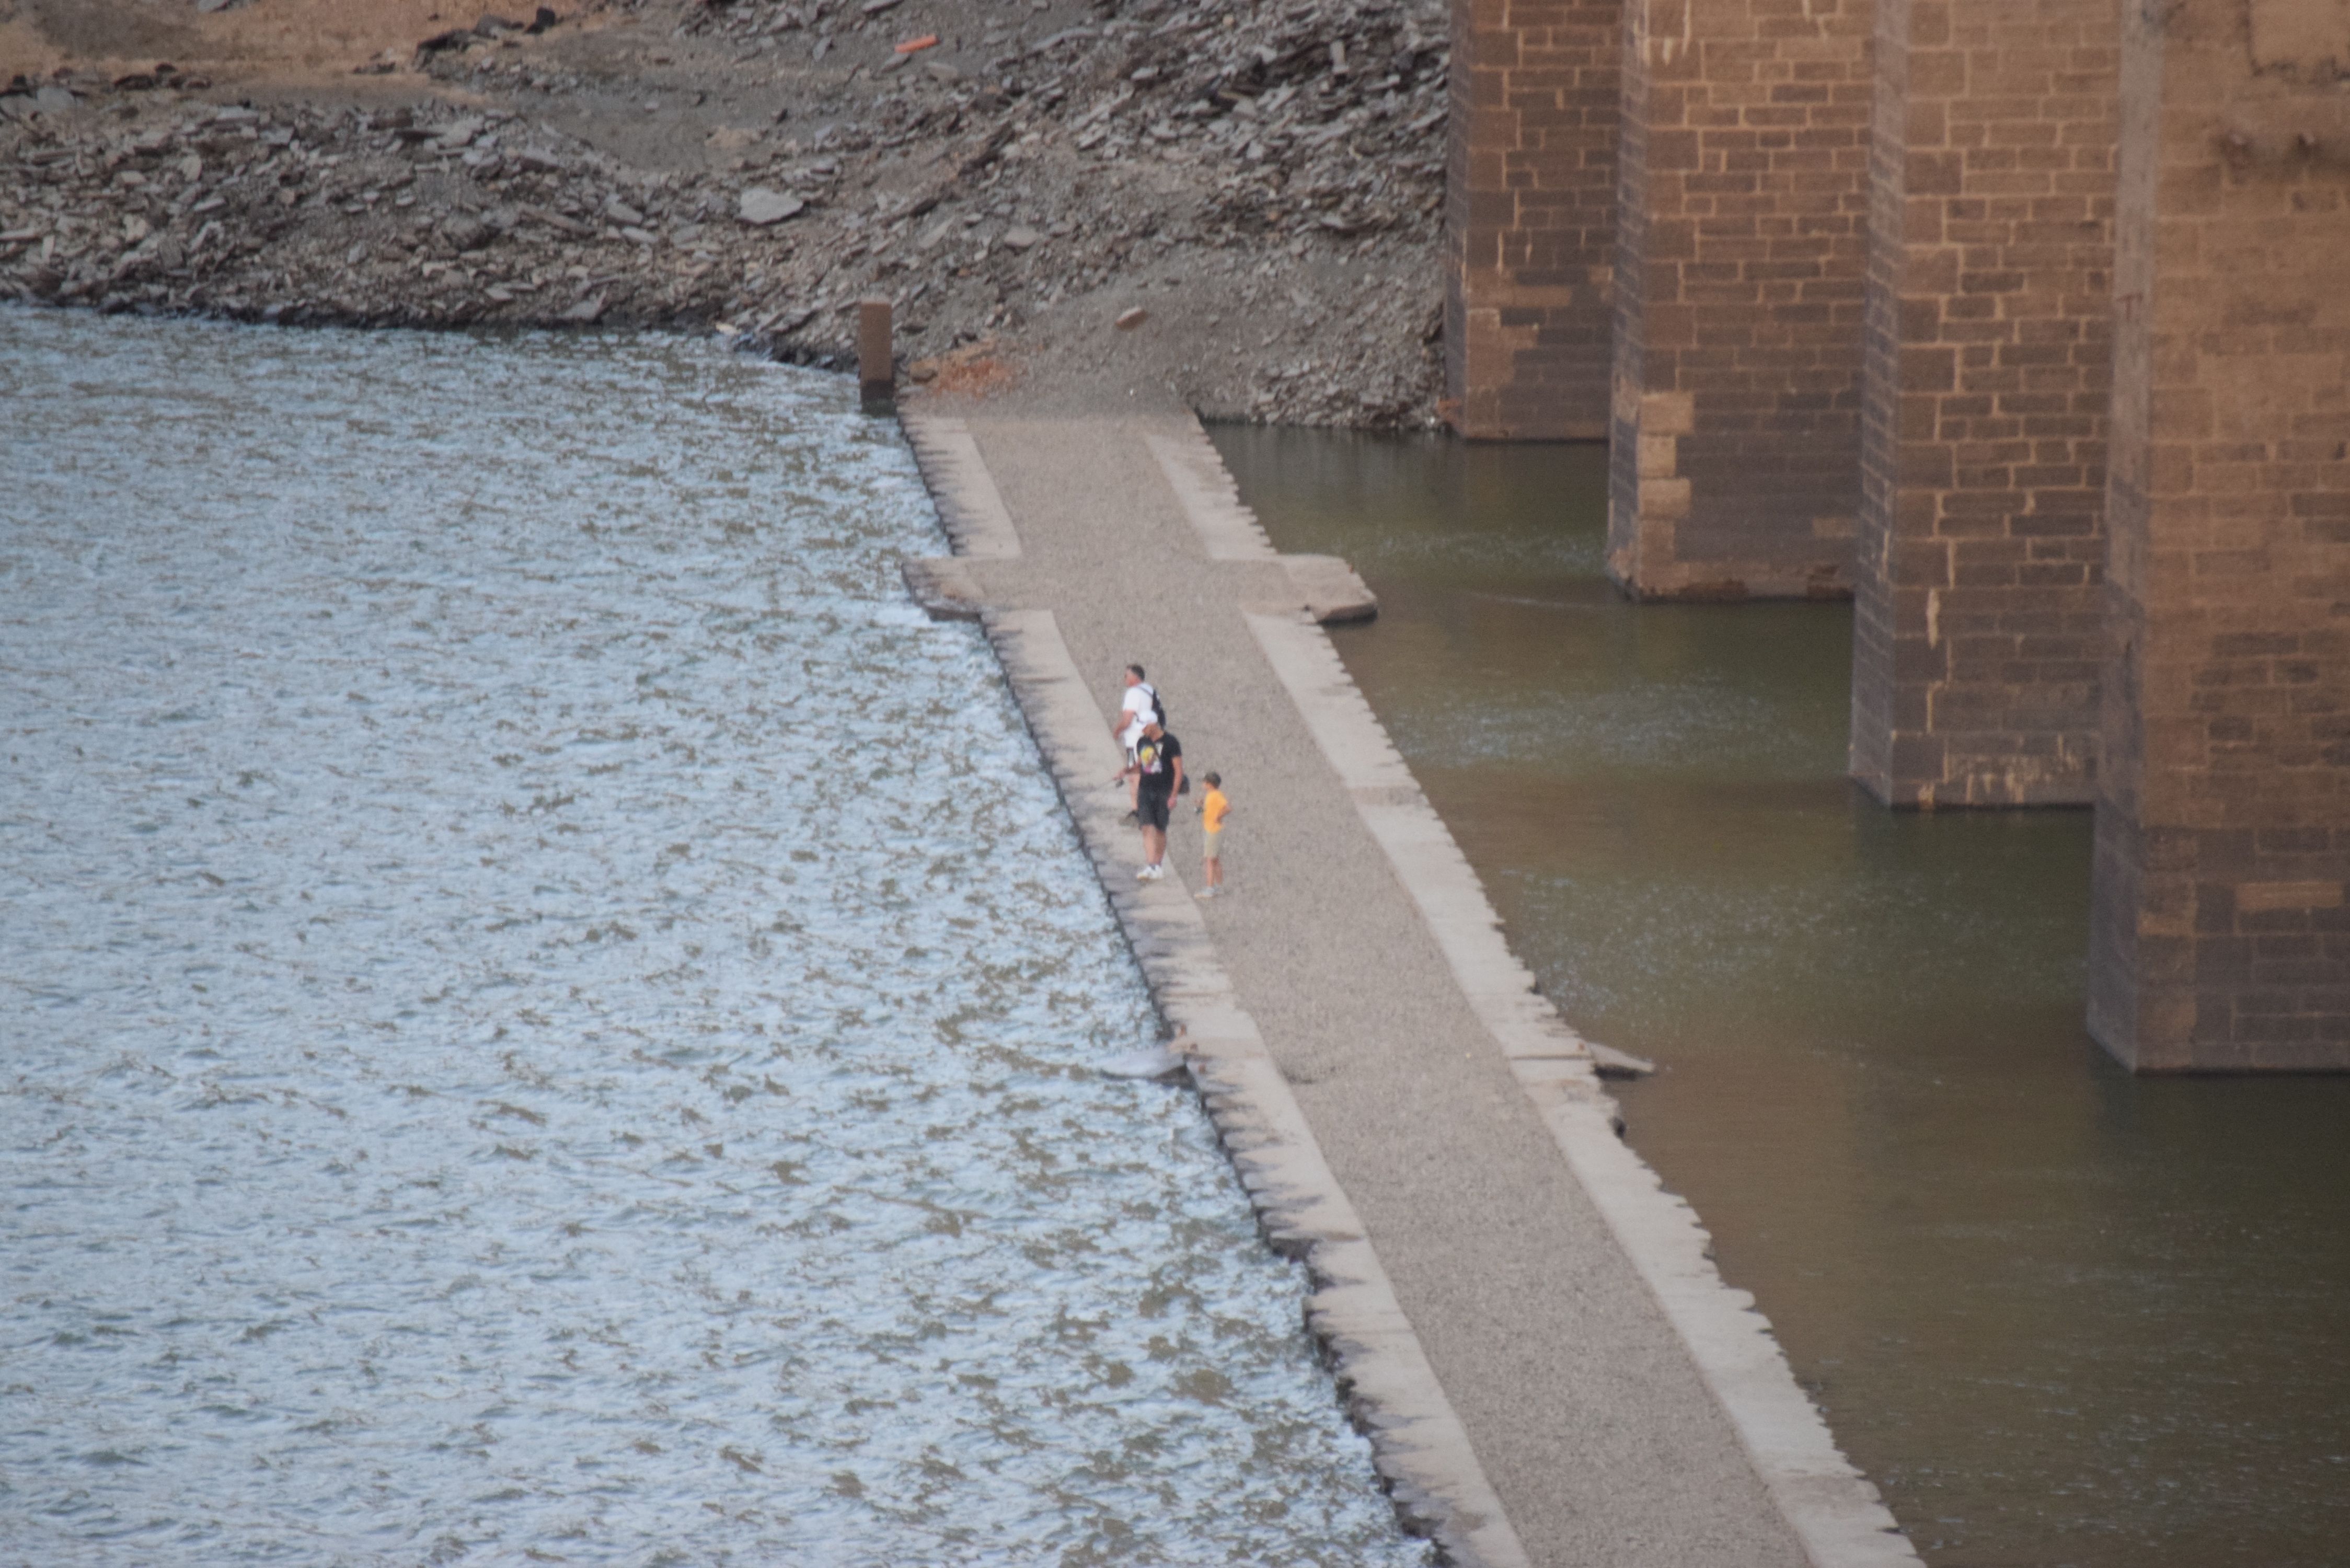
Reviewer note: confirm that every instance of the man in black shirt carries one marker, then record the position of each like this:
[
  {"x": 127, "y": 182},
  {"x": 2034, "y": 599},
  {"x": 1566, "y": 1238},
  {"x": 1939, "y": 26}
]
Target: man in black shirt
[{"x": 1159, "y": 762}]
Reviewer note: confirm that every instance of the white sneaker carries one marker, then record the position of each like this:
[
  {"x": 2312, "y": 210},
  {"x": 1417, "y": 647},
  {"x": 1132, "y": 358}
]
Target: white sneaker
[
  {"x": 1204, "y": 893},
  {"x": 1144, "y": 873},
  {"x": 1157, "y": 872}
]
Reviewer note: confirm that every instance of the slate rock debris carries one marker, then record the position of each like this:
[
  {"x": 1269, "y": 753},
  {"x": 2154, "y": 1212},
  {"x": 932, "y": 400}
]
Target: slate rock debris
[
  {"x": 1263, "y": 179},
  {"x": 760, "y": 206}
]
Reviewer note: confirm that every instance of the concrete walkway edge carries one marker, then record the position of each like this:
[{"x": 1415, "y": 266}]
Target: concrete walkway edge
[
  {"x": 1418, "y": 1445},
  {"x": 1832, "y": 1508},
  {"x": 1421, "y": 1447}
]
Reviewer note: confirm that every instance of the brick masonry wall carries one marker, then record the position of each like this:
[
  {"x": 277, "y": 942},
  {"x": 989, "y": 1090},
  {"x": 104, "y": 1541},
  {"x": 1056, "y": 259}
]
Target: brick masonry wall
[
  {"x": 1741, "y": 214},
  {"x": 1986, "y": 362},
  {"x": 2220, "y": 935},
  {"x": 1531, "y": 217}
]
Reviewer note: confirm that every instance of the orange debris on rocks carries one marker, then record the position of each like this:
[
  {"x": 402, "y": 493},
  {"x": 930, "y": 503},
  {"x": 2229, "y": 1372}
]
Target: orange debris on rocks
[
  {"x": 975, "y": 370},
  {"x": 928, "y": 40}
]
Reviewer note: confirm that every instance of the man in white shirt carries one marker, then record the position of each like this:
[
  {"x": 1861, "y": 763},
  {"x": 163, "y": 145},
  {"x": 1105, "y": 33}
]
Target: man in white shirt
[{"x": 1136, "y": 709}]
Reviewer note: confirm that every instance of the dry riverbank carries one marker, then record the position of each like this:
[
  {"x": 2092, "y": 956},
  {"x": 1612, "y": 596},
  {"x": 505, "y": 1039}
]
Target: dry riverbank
[{"x": 1263, "y": 180}]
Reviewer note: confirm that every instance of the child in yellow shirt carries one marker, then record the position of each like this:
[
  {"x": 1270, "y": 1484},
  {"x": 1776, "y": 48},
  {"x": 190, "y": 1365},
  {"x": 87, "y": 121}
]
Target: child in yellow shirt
[{"x": 1213, "y": 809}]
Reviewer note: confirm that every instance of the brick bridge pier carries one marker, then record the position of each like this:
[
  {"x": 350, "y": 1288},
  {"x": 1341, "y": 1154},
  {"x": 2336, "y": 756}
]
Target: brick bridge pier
[{"x": 2024, "y": 324}]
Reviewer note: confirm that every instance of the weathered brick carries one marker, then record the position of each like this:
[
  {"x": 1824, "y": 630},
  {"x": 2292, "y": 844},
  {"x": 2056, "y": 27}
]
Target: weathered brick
[
  {"x": 1531, "y": 220},
  {"x": 1973, "y": 351},
  {"x": 1738, "y": 295},
  {"x": 2217, "y": 791}
]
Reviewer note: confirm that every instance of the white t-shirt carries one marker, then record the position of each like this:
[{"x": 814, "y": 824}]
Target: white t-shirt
[{"x": 1141, "y": 702}]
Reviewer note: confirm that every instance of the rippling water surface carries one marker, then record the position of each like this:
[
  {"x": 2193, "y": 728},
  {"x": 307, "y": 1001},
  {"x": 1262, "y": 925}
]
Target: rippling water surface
[{"x": 545, "y": 1012}]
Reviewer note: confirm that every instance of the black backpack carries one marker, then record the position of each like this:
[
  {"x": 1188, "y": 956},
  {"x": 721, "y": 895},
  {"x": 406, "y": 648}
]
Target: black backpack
[
  {"x": 1184, "y": 785},
  {"x": 1158, "y": 716}
]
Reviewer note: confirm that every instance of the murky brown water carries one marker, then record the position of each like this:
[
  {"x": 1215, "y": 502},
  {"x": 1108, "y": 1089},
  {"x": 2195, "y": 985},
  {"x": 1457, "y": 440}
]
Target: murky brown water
[{"x": 2062, "y": 1315}]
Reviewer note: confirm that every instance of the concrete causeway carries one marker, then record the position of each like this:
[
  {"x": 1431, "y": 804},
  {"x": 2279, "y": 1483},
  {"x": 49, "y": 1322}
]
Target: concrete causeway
[{"x": 1552, "y": 1371}]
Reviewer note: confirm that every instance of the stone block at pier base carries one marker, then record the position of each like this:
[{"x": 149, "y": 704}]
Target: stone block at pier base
[
  {"x": 2221, "y": 925},
  {"x": 1979, "y": 627},
  {"x": 1741, "y": 201}
]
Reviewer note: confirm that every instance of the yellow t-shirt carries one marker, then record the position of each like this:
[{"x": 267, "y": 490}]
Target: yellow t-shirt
[{"x": 1212, "y": 806}]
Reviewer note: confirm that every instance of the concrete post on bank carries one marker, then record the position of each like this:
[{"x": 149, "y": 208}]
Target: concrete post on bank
[
  {"x": 1986, "y": 369},
  {"x": 876, "y": 372},
  {"x": 1529, "y": 218},
  {"x": 2220, "y": 918},
  {"x": 1741, "y": 217}
]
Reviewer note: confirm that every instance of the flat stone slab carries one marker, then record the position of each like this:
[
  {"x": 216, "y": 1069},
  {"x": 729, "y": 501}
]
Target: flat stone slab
[
  {"x": 946, "y": 589},
  {"x": 1144, "y": 1065},
  {"x": 761, "y": 207},
  {"x": 1328, "y": 590}
]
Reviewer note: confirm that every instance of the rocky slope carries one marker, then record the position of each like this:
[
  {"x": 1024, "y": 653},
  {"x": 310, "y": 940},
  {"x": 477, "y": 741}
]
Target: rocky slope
[{"x": 1261, "y": 179}]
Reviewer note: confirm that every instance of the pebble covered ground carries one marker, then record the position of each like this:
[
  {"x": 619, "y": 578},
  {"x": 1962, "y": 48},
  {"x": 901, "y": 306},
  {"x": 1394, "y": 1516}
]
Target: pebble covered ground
[{"x": 1260, "y": 181}]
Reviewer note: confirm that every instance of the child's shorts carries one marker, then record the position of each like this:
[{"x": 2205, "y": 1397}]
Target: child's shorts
[{"x": 1212, "y": 843}]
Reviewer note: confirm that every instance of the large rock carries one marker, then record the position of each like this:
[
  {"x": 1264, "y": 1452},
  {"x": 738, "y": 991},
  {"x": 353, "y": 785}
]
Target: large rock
[
  {"x": 1329, "y": 590},
  {"x": 760, "y": 207}
]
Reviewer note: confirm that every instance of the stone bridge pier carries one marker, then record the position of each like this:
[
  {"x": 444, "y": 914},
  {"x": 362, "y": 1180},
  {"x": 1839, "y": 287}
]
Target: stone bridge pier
[
  {"x": 1530, "y": 217},
  {"x": 2023, "y": 322},
  {"x": 2221, "y": 933}
]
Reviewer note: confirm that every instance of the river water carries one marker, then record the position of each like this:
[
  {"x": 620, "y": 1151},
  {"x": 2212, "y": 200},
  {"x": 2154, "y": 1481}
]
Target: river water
[
  {"x": 545, "y": 1011},
  {"x": 2061, "y": 1314}
]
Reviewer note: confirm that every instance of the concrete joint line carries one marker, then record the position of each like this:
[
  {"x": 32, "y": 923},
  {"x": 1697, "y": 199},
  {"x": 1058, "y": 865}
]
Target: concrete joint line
[
  {"x": 1427, "y": 863},
  {"x": 1832, "y": 1508},
  {"x": 1418, "y": 1443},
  {"x": 1227, "y": 528},
  {"x": 974, "y": 515},
  {"x": 1327, "y": 587}
]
